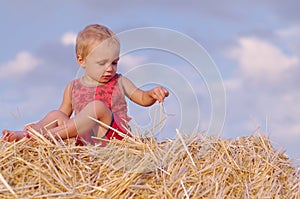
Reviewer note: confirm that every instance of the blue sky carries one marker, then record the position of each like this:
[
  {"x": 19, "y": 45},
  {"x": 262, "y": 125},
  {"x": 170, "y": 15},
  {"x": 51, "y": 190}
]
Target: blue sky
[{"x": 254, "y": 46}]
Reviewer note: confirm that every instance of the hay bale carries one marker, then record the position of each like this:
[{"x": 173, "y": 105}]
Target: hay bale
[{"x": 185, "y": 167}]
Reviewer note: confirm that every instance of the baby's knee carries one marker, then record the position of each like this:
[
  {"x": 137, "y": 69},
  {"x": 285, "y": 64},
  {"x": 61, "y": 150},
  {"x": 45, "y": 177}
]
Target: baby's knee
[
  {"x": 97, "y": 104},
  {"x": 98, "y": 107},
  {"x": 58, "y": 116},
  {"x": 56, "y": 113}
]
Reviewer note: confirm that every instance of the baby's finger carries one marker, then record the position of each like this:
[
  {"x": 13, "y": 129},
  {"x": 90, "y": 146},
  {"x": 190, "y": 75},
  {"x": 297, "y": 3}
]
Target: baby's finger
[
  {"x": 166, "y": 92},
  {"x": 163, "y": 93},
  {"x": 160, "y": 96}
]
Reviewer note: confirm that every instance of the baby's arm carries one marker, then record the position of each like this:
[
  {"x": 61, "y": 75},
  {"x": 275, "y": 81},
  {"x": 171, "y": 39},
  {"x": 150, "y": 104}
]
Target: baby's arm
[
  {"x": 66, "y": 105},
  {"x": 143, "y": 98}
]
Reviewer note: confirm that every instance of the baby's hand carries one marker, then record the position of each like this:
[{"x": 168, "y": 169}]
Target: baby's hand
[{"x": 159, "y": 93}]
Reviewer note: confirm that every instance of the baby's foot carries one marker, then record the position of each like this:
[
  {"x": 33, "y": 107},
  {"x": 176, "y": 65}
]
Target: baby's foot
[{"x": 11, "y": 136}]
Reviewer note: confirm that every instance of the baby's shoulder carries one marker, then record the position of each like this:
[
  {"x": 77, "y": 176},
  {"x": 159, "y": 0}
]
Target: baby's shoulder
[
  {"x": 74, "y": 81},
  {"x": 122, "y": 78},
  {"x": 71, "y": 83}
]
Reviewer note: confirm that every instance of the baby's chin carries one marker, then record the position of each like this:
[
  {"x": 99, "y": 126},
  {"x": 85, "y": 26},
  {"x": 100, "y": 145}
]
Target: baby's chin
[{"x": 105, "y": 79}]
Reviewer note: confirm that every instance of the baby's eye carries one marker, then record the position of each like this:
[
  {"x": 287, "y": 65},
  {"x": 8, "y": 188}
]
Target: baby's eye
[
  {"x": 101, "y": 63},
  {"x": 115, "y": 63}
]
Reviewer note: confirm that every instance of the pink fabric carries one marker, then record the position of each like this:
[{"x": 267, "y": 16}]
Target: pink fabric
[{"x": 110, "y": 94}]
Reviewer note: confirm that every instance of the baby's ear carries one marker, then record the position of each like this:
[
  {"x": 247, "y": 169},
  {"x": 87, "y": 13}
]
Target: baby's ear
[{"x": 80, "y": 61}]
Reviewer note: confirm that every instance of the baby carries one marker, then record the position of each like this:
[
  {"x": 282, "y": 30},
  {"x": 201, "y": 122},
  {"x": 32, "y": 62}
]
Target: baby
[{"x": 99, "y": 94}]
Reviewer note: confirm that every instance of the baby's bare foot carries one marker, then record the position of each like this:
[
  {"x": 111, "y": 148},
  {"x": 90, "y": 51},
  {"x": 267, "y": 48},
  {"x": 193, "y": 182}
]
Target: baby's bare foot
[{"x": 11, "y": 136}]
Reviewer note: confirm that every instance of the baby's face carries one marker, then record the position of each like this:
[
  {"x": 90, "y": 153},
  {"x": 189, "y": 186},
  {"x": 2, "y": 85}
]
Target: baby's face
[{"x": 101, "y": 64}]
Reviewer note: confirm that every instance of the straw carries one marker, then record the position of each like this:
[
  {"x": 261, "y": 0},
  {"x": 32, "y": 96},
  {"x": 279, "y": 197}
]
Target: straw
[
  {"x": 188, "y": 166},
  {"x": 7, "y": 186}
]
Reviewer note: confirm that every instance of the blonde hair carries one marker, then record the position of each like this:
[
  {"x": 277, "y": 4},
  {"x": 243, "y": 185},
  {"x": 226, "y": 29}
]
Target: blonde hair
[{"x": 90, "y": 36}]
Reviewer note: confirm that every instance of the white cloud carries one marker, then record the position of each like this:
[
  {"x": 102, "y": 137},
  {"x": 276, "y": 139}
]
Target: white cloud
[
  {"x": 128, "y": 62},
  {"x": 68, "y": 38},
  {"x": 261, "y": 60},
  {"x": 271, "y": 99},
  {"x": 21, "y": 65},
  {"x": 232, "y": 84}
]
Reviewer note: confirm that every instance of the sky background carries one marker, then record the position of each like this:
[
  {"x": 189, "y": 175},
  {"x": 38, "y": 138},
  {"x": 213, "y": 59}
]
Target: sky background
[{"x": 255, "y": 46}]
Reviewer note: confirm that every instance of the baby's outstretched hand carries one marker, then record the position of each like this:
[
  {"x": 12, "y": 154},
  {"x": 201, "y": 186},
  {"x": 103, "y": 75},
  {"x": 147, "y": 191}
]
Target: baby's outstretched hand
[{"x": 159, "y": 93}]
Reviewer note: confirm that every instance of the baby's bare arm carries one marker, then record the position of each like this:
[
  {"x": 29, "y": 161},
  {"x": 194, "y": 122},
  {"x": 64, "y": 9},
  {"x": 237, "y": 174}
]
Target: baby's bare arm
[
  {"x": 143, "y": 98},
  {"x": 66, "y": 105}
]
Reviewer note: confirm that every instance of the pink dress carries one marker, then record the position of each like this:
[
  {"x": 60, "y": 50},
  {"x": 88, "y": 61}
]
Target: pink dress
[{"x": 111, "y": 94}]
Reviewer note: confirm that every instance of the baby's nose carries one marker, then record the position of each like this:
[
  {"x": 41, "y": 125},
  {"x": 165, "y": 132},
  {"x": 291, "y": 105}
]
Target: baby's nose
[{"x": 109, "y": 67}]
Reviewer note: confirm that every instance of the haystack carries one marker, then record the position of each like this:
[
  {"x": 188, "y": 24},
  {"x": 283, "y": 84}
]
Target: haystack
[{"x": 185, "y": 167}]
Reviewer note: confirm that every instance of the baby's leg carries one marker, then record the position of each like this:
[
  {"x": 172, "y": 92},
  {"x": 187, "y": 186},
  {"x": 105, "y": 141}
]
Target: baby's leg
[
  {"x": 51, "y": 120},
  {"x": 11, "y": 136},
  {"x": 82, "y": 123},
  {"x": 96, "y": 110},
  {"x": 54, "y": 118}
]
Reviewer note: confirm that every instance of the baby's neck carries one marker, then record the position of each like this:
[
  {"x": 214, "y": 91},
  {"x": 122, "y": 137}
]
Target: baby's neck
[{"x": 90, "y": 82}]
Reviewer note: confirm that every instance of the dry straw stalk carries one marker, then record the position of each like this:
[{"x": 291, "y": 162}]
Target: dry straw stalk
[{"x": 185, "y": 167}]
